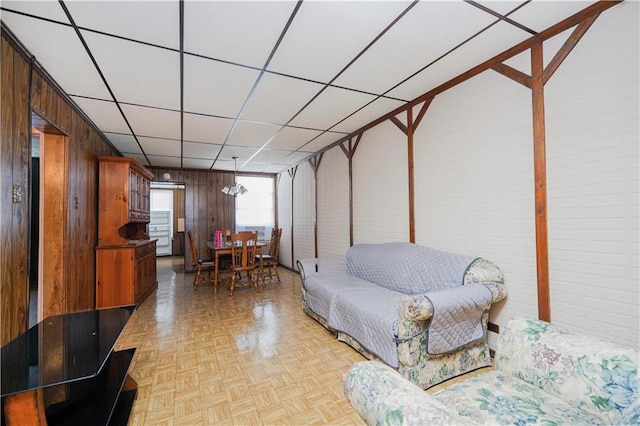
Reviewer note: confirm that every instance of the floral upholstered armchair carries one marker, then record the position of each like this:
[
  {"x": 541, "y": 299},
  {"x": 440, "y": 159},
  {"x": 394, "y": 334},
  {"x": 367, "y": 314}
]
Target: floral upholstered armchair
[{"x": 543, "y": 374}]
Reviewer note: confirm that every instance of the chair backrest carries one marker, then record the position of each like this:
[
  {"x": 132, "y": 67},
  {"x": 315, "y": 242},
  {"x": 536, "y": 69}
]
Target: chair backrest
[
  {"x": 194, "y": 250},
  {"x": 243, "y": 249},
  {"x": 226, "y": 234},
  {"x": 274, "y": 244}
]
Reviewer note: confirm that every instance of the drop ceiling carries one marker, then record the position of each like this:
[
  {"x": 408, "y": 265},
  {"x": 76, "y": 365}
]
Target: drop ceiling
[{"x": 193, "y": 84}]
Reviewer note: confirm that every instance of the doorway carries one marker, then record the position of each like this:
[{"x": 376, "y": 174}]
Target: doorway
[
  {"x": 167, "y": 218},
  {"x": 48, "y": 232}
]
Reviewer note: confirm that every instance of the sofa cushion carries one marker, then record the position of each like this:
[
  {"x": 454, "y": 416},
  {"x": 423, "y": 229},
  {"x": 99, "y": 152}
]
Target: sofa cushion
[
  {"x": 406, "y": 267},
  {"x": 497, "y": 398},
  {"x": 320, "y": 290},
  {"x": 370, "y": 315}
]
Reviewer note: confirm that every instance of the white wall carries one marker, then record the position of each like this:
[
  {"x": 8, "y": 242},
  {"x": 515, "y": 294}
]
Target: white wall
[{"x": 474, "y": 190}]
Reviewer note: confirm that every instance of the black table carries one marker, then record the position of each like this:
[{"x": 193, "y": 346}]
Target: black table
[{"x": 71, "y": 358}]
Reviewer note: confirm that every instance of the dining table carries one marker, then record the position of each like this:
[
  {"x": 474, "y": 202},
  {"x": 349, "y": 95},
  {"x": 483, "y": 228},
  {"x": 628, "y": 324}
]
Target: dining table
[{"x": 225, "y": 248}]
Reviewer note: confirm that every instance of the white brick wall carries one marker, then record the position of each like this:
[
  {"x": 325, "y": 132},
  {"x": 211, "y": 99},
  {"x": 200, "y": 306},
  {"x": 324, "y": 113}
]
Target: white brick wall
[
  {"x": 333, "y": 204},
  {"x": 381, "y": 193},
  {"x": 474, "y": 182},
  {"x": 303, "y": 213},
  {"x": 284, "y": 219}
]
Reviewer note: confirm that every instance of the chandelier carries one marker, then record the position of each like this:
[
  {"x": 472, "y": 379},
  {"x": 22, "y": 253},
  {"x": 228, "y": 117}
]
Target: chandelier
[{"x": 236, "y": 188}]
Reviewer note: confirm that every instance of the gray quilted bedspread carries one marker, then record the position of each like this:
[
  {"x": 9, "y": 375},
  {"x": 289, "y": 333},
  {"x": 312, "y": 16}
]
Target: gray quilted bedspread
[
  {"x": 406, "y": 267},
  {"x": 457, "y": 317}
]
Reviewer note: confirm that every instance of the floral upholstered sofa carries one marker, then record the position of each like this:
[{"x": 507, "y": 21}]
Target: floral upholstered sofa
[
  {"x": 422, "y": 311},
  {"x": 543, "y": 374}
]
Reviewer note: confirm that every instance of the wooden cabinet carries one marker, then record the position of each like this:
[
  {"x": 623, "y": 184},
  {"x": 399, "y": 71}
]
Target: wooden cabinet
[{"x": 125, "y": 256}]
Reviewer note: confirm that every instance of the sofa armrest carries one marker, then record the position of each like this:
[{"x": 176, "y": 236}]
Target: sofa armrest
[
  {"x": 307, "y": 267},
  {"x": 381, "y": 396},
  {"x": 594, "y": 375}
]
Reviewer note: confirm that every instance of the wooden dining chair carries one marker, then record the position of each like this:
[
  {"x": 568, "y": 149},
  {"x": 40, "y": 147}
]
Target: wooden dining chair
[
  {"x": 270, "y": 260},
  {"x": 243, "y": 259},
  {"x": 200, "y": 264}
]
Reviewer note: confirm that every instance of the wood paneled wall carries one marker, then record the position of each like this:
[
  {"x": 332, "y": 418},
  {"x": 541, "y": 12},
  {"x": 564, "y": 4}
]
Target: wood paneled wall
[
  {"x": 85, "y": 144},
  {"x": 206, "y": 207}
]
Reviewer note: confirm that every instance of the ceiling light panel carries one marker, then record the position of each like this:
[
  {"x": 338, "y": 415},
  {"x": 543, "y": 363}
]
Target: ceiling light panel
[
  {"x": 104, "y": 114},
  {"x": 367, "y": 114},
  {"x": 330, "y": 107},
  {"x": 418, "y": 39},
  {"x": 156, "y": 22},
  {"x": 278, "y": 98},
  {"x": 126, "y": 144},
  {"x": 58, "y": 49},
  {"x": 292, "y": 138},
  {"x": 157, "y": 146},
  {"x": 203, "y": 128},
  {"x": 486, "y": 45},
  {"x": 252, "y": 134},
  {"x": 215, "y": 88},
  {"x": 242, "y": 32},
  {"x": 326, "y": 35},
  {"x": 137, "y": 73},
  {"x": 153, "y": 122}
]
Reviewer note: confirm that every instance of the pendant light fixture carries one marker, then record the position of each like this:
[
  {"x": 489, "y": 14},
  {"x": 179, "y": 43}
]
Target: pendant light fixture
[{"x": 237, "y": 188}]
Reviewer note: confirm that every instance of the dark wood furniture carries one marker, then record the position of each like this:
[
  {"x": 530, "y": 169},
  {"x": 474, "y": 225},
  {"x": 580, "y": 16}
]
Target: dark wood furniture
[
  {"x": 270, "y": 260},
  {"x": 67, "y": 363},
  {"x": 125, "y": 256},
  {"x": 200, "y": 264}
]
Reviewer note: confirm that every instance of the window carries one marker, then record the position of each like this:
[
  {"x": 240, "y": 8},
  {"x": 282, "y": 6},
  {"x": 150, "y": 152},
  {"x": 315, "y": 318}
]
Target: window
[{"x": 255, "y": 210}]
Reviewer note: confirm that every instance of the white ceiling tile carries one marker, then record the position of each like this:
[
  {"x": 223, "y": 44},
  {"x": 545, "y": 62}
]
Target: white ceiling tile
[
  {"x": 278, "y": 98},
  {"x": 199, "y": 150},
  {"x": 131, "y": 19},
  {"x": 369, "y": 113},
  {"x": 141, "y": 159},
  {"x": 326, "y": 35},
  {"x": 321, "y": 141},
  {"x": 252, "y": 134},
  {"x": 163, "y": 161},
  {"x": 501, "y": 6},
  {"x": 483, "y": 47},
  {"x": 216, "y": 88},
  {"x": 292, "y": 138},
  {"x": 59, "y": 50},
  {"x": 196, "y": 163},
  {"x": 49, "y": 9},
  {"x": 137, "y": 73},
  {"x": 202, "y": 128},
  {"x": 242, "y": 32},
  {"x": 229, "y": 151},
  {"x": 125, "y": 144},
  {"x": 104, "y": 114},
  {"x": 153, "y": 122},
  {"x": 411, "y": 43},
  {"x": 156, "y": 146},
  {"x": 330, "y": 107},
  {"x": 540, "y": 15}
]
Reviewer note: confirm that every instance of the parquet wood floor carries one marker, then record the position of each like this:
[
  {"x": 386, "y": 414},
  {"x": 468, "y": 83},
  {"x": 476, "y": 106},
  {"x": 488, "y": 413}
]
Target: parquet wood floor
[{"x": 250, "y": 359}]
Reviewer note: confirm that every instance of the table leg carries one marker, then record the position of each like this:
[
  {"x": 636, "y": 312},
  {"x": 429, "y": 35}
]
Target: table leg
[
  {"x": 216, "y": 256},
  {"x": 24, "y": 409}
]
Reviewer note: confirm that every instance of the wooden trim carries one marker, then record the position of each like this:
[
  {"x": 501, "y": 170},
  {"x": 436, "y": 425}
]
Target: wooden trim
[
  {"x": 568, "y": 46},
  {"x": 292, "y": 174},
  {"x": 550, "y": 32},
  {"x": 315, "y": 164},
  {"x": 540, "y": 179},
  {"x": 410, "y": 177},
  {"x": 400, "y": 124},
  {"x": 514, "y": 74},
  {"x": 422, "y": 113}
]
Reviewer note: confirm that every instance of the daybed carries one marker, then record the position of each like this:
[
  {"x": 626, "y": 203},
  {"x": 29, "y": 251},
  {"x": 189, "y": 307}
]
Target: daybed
[
  {"x": 543, "y": 374},
  {"x": 422, "y": 311}
]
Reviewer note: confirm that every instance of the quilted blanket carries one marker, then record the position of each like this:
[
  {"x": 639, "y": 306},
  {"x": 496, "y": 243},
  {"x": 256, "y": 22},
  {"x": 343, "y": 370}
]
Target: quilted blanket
[
  {"x": 457, "y": 317},
  {"x": 406, "y": 267}
]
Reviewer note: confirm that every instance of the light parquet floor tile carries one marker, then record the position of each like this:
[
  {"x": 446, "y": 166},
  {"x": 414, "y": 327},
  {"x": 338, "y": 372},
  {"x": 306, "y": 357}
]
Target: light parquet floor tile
[{"x": 250, "y": 359}]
